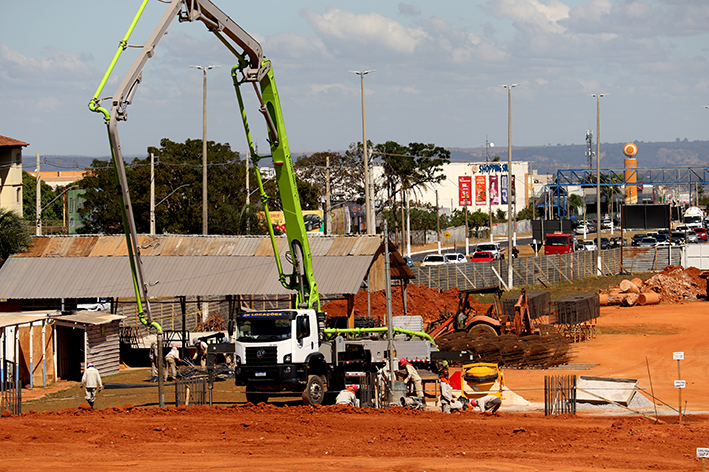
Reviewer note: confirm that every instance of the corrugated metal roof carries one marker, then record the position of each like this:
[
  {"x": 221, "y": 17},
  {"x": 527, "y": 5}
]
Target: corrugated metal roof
[
  {"x": 89, "y": 317},
  {"x": 80, "y": 277},
  {"x": 14, "y": 319}
]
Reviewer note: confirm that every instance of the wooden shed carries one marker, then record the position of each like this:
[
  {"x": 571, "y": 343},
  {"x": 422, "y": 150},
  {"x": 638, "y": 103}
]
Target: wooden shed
[{"x": 83, "y": 337}]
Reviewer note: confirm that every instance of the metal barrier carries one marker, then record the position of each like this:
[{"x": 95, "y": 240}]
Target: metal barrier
[
  {"x": 10, "y": 389},
  {"x": 191, "y": 392},
  {"x": 559, "y": 395}
]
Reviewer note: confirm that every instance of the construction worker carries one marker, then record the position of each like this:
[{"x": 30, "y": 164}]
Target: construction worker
[
  {"x": 91, "y": 381},
  {"x": 154, "y": 356},
  {"x": 170, "y": 359},
  {"x": 448, "y": 402},
  {"x": 487, "y": 404},
  {"x": 410, "y": 376},
  {"x": 348, "y": 396},
  {"x": 201, "y": 352}
]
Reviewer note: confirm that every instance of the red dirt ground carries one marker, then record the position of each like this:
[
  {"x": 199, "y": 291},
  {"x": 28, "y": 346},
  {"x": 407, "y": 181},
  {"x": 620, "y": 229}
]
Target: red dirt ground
[{"x": 281, "y": 438}]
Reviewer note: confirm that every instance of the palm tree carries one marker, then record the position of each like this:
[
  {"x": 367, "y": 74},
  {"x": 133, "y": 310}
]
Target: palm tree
[
  {"x": 576, "y": 202},
  {"x": 14, "y": 235}
]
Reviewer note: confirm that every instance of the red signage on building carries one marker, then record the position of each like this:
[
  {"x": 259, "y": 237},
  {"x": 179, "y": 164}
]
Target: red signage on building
[{"x": 465, "y": 191}]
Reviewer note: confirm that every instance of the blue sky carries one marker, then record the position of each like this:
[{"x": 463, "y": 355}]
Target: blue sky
[{"x": 438, "y": 70}]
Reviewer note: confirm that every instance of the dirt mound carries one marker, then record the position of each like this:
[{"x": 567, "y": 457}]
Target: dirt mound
[{"x": 422, "y": 301}]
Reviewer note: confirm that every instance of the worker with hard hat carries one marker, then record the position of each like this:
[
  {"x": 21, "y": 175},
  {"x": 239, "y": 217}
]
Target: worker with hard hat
[
  {"x": 410, "y": 377},
  {"x": 170, "y": 362},
  {"x": 348, "y": 396},
  {"x": 201, "y": 353},
  {"x": 448, "y": 402},
  {"x": 487, "y": 404},
  {"x": 91, "y": 381}
]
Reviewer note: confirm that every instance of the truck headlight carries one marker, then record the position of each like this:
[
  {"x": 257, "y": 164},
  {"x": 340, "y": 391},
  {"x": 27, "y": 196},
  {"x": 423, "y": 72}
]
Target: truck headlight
[{"x": 287, "y": 359}]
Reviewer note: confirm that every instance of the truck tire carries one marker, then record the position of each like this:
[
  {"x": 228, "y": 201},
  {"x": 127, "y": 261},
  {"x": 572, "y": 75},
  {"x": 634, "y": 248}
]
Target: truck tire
[
  {"x": 314, "y": 390},
  {"x": 256, "y": 398},
  {"x": 482, "y": 330}
]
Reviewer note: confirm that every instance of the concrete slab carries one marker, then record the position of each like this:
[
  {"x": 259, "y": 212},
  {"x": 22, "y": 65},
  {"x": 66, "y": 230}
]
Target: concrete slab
[{"x": 615, "y": 389}]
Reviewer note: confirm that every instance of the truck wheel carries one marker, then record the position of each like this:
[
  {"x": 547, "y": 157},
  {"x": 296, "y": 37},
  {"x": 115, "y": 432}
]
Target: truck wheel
[
  {"x": 482, "y": 330},
  {"x": 314, "y": 390},
  {"x": 256, "y": 398}
]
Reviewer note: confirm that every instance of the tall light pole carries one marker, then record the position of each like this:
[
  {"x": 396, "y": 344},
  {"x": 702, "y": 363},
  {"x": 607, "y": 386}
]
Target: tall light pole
[
  {"x": 509, "y": 183},
  {"x": 367, "y": 178},
  {"x": 488, "y": 145},
  {"x": 204, "y": 70},
  {"x": 598, "y": 179}
]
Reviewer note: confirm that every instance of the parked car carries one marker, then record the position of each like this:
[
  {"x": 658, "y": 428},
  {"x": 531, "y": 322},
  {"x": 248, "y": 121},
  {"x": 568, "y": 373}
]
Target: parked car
[
  {"x": 692, "y": 236},
  {"x": 617, "y": 241},
  {"x": 455, "y": 258},
  {"x": 409, "y": 261},
  {"x": 494, "y": 248},
  {"x": 589, "y": 245},
  {"x": 482, "y": 256},
  {"x": 637, "y": 238},
  {"x": 647, "y": 242},
  {"x": 701, "y": 233},
  {"x": 605, "y": 243},
  {"x": 589, "y": 228},
  {"x": 433, "y": 259}
]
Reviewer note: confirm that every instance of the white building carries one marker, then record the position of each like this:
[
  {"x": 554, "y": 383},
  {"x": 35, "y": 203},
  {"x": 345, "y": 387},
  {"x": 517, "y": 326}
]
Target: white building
[{"x": 483, "y": 186}]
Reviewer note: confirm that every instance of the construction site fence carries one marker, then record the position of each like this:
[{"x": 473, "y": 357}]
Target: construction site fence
[
  {"x": 545, "y": 270},
  {"x": 10, "y": 388},
  {"x": 559, "y": 395},
  {"x": 191, "y": 392}
]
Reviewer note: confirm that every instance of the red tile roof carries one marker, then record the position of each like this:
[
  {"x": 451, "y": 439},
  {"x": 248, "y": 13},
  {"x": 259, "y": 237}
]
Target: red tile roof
[{"x": 5, "y": 141}]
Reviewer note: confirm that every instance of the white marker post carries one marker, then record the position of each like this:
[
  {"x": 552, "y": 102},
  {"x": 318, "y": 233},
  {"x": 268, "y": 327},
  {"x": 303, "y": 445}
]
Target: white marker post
[
  {"x": 703, "y": 452},
  {"x": 679, "y": 384}
]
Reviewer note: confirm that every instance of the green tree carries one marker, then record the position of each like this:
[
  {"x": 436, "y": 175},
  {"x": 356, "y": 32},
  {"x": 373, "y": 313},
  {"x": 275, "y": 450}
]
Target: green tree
[
  {"x": 14, "y": 234},
  {"x": 575, "y": 203},
  {"x": 346, "y": 176},
  {"x": 29, "y": 199}
]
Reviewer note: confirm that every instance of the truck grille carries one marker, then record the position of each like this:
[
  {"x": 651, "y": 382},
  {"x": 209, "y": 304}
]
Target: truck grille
[{"x": 261, "y": 356}]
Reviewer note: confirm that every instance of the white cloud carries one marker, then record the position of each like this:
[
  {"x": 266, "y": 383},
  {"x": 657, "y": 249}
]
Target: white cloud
[
  {"x": 346, "y": 30},
  {"x": 295, "y": 46},
  {"x": 532, "y": 13},
  {"x": 54, "y": 65}
]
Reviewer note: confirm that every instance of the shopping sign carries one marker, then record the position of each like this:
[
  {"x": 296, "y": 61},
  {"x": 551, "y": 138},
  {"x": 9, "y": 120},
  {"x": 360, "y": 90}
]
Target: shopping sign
[{"x": 465, "y": 191}]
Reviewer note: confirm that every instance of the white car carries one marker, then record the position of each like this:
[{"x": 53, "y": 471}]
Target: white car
[
  {"x": 433, "y": 259},
  {"x": 589, "y": 245},
  {"x": 455, "y": 258}
]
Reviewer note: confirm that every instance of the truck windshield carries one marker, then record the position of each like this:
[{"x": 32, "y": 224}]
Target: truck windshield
[
  {"x": 258, "y": 330},
  {"x": 557, "y": 241}
]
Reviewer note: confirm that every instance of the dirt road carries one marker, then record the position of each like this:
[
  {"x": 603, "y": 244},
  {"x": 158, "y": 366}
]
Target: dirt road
[{"x": 264, "y": 437}]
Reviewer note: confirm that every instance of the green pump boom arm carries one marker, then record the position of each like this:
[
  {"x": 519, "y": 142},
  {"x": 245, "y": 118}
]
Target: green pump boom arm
[{"x": 251, "y": 68}]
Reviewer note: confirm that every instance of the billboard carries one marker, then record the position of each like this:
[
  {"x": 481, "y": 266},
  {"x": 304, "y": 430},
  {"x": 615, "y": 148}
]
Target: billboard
[
  {"x": 480, "y": 190},
  {"x": 465, "y": 191},
  {"x": 494, "y": 190},
  {"x": 504, "y": 188},
  {"x": 313, "y": 220}
]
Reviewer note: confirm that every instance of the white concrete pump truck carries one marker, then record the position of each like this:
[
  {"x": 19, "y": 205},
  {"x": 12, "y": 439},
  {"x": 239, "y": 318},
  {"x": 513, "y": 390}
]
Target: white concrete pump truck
[{"x": 275, "y": 351}]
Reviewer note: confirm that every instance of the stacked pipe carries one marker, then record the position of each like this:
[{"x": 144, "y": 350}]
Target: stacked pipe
[{"x": 629, "y": 293}]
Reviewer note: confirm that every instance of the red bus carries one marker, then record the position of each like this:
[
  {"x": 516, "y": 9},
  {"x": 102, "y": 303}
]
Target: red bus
[{"x": 558, "y": 243}]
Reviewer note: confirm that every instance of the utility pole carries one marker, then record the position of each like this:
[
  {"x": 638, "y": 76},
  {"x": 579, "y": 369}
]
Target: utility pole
[
  {"x": 328, "y": 203},
  {"x": 38, "y": 223},
  {"x": 205, "y": 215},
  {"x": 509, "y": 183},
  {"x": 438, "y": 224},
  {"x": 152, "y": 193},
  {"x": 371, "y": 221},
  {"x": 598, "y": 180}
]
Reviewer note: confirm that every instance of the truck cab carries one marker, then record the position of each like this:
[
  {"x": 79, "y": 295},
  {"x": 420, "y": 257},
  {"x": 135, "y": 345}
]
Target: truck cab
[
  {"x": 279, "y": 351},
  {"x": 558, "y": 243}
]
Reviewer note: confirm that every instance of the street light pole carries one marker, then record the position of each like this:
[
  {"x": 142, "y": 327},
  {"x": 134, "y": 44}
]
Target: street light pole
[
  {"x": 488, "y": 145},
  {"x": 598, "y": 180},
  {"x": 204, "y": 70},
  {"x": 509, "y": 184},
  {"x": 365, "y": 156}
]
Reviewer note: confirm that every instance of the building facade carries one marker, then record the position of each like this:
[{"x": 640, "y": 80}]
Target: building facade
[{"x": 11, "y": 174}]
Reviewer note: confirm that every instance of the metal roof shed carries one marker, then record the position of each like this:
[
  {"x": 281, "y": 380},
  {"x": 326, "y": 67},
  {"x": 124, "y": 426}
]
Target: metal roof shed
[{"x": 99, "y": 332}]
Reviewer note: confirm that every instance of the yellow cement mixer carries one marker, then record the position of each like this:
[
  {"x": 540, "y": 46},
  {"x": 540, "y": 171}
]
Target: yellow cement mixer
[{"x": 482, "y": 379}]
